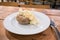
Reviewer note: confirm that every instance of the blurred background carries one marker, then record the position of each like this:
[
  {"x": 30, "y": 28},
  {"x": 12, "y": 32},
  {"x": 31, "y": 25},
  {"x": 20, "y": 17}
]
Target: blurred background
[{"x": 53, "y": 4}]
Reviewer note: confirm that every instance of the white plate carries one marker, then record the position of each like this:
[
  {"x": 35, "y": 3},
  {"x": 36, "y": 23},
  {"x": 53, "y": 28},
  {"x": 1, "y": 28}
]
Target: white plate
[{"x": 11, "y": 24}]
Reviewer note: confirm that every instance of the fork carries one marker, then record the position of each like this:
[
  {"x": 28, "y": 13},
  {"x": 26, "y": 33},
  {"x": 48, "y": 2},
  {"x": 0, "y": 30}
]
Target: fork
[{"x": 52, "y": 24}]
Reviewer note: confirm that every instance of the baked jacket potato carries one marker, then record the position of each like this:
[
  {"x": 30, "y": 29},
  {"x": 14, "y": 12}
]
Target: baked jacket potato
[{"x": 22, "y": 20}]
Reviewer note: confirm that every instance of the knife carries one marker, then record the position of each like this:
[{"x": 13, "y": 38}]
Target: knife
[{"x": 52, "y": 24}]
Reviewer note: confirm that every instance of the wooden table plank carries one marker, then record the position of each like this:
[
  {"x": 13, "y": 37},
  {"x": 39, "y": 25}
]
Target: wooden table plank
[
  {"x": 4, "y": 11},
  {"x": 2, "y": 31}
]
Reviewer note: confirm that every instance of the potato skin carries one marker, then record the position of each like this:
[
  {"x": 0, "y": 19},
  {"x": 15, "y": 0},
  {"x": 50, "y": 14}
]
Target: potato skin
[{"x": 22, "y": 20}]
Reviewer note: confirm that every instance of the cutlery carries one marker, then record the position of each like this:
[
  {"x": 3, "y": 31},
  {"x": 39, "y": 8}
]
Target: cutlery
[{"x": 52, "y": 24}]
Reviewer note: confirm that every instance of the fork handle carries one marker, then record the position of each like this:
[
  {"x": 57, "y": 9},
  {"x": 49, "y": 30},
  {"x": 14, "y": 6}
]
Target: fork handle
[{"x": 57, "y": 32}]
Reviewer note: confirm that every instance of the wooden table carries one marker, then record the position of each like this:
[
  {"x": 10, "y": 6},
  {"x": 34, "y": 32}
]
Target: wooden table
[{"x": 46, "y": 35}]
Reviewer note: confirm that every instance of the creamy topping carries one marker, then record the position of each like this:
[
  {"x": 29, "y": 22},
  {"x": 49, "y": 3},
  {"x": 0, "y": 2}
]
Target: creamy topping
[{"x": 28, "y": 14}]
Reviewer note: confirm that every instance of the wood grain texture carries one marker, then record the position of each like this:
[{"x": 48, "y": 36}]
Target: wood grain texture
[
  {"x": 46, "y": 35},
  {"x": 9, "y": 4}
]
